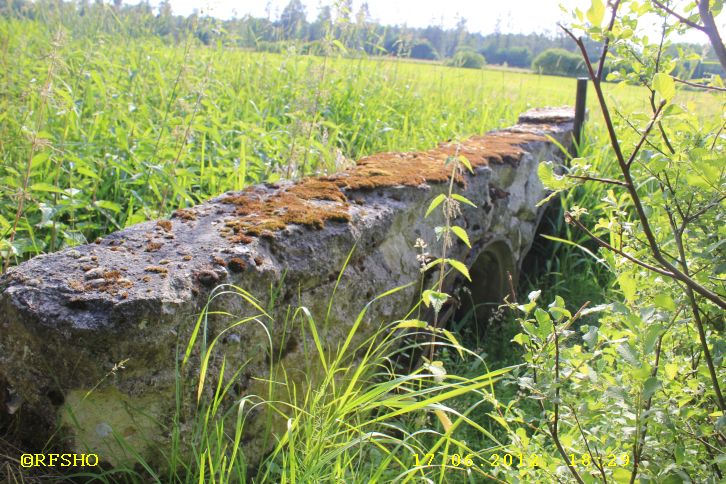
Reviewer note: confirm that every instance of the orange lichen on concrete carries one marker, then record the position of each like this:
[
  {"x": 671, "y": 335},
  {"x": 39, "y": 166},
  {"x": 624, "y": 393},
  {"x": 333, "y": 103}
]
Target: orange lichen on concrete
[
  {"x": 110, "y": 282},
  {"x": 237, "y": 265},
  {"x": 156, "y": 269},
  {"x": 153, "y": 246},
  {"x": 184, "y": 214},
  {"x": 164, "y": 224},
  {"x": 264, "y": 214},
  {"x": 392, "y": 169}
]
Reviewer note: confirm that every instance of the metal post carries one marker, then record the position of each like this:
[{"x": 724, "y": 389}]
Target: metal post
[{"x": 580, "y": 101}]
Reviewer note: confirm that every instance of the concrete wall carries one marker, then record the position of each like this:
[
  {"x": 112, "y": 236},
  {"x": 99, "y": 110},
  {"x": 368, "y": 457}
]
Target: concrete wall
[{"x": 68, "y": 319}]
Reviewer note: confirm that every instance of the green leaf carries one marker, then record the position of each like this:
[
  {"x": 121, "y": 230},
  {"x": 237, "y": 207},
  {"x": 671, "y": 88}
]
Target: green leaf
[
  {"x": 464, "y": 161},
  {"x": 651, "y": 337},
  {"x": 558, "y": 310},
  {"x": 87, "y": 172},
  {"x": 45, "y": 187},
  {"x": 39, "y": 159},
  {"x": 412, "y": 323},
  {"x": 544, "y": 322},
  {"x": 643, "y": 372},
  {"x": 432, "y": 264},
  {"x": 628, "y": 354},
  {"x": 450, "y": 336},
  {"x": 461, "y": 233},
  {"x": 650, "y": 386},
  {"x": 596, "y": 12},
  {"x": 435, "y": 203},
  {"x": 590, "y": 337},
  {"x": 434, "y": 299},
  {"x": 542, "y": 316},
  {"x": 114, "y": 207},
  {"x": 664, "y": 85},
  {"x": 462, "y": 199},
  {"x": 628, "y": 285},
  {"x": 671, "y": 370},
  {"x": 550, "y": 179},
  {"x": 532, "y": 296},
  {"x": 621, "y": 475},
  {"x": 664, "y": 301},
  {"x": 521, "y": 338},
  {"x": 459, "y": 266},
  {"x": 340, "y": 47}
]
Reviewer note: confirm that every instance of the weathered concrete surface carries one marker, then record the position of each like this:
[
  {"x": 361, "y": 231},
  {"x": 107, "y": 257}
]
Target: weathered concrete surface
[{"x": 66, "y": 319}]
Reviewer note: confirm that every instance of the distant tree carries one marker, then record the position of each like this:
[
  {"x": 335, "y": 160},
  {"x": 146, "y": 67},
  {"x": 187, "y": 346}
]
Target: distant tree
[
  {"x": 518, "y": 56},
  {"x": 364, "y": 15},
  {"x": 322, "y": 24},
  {"x": 460, "y": 34},
  {"x": 343, "y": 10},
  {"x": 559, "y": 62},
  {"x": 164, "y": 8},
  {"x": 422, "y": 49},
  {"x": 292, "y": 19},
  {"x": 362, "y": 27},
  {"x": 467, "y": 58},
  {"x": 435, "y": 35}
]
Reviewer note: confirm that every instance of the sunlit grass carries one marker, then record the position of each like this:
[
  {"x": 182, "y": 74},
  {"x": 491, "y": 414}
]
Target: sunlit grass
[{"x": 100, "y": 131}]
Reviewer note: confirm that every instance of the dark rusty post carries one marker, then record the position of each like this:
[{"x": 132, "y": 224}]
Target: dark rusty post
[{"x": 580, "y": 101}]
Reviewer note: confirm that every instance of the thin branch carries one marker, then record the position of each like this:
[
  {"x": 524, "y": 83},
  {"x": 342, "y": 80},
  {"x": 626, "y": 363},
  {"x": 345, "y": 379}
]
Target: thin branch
[
  {"x": 601, "y": 180},
  {"x": 640, "y": 442},
  {"x": 645, "y": 133},
  {"x": 705, "y": 209},
  {"x": 700, "y": 86},
  {"x": 553, "y": 425},
  {"x": 697, "y": 320},
  {"x": 572, "y": 220},
  {"x": 597, "y": 461},
  {"x": 680, "y": 17},
  {"x": 634, "y": 128},
  {"x": 606, "y": 44},
  {"x": 711, "y": 31},
  {"x": 652, "y": 91}
]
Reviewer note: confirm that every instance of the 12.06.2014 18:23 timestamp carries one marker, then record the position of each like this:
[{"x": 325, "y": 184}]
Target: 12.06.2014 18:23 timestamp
[{"x": 518, "y": 460}]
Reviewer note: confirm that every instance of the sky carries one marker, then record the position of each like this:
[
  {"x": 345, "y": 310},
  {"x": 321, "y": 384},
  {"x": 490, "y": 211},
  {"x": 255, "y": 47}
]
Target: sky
[
  {"x": 516, "y": 16},
  {"x": 485, "y": 16}
]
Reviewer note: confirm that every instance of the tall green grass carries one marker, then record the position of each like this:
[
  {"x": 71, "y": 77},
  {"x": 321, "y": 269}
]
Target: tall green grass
[
  {"x": 100, "y": 130},
  {"x": 353, "y": 416}
]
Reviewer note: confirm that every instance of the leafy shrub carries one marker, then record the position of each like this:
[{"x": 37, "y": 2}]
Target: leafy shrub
[
  {"x": 559, "y": 62},
  {"x": 468, "y": 59},
  {"x": 423, "y": 49},
  {"x": 512, "y": 56}
]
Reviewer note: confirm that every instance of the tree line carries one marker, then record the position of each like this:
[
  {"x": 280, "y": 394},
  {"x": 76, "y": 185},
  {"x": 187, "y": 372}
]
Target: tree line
[{"x": 338, "y": 27}]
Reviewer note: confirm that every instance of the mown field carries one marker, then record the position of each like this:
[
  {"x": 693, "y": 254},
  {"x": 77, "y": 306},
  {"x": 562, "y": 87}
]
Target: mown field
[{"x": 101, "y": 129}]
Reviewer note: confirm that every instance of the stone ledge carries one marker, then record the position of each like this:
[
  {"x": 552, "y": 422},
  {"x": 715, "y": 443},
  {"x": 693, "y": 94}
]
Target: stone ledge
[{"x": 67, "y": 318}]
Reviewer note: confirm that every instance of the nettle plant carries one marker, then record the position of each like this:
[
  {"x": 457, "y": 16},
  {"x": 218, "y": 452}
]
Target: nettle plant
[
  {"x": 450, "y": 205},
  {"x": 639, "y": 394}
]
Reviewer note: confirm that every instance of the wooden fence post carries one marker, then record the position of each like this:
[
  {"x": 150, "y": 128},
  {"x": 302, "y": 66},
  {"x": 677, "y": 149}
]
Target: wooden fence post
[{"x": 580, "y": 102}]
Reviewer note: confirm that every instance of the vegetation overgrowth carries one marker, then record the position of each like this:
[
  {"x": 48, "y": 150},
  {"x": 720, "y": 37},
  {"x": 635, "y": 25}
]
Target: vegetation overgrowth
[{"x": 617, "y": 366}]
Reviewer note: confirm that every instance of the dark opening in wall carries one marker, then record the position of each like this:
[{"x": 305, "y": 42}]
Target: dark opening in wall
[{"x": 489, "y": 285}]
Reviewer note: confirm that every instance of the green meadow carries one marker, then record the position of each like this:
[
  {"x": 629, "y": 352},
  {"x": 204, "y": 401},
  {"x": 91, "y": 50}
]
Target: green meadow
[{"x": 100, "y": 131}]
